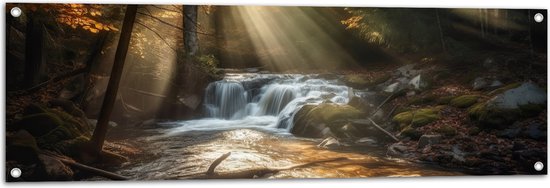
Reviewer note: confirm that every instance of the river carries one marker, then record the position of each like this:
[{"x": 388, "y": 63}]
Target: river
[{"x": 250, "y": 115}]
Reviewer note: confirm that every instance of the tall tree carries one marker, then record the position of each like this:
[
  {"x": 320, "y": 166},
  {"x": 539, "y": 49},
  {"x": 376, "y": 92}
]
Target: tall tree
[
  {"x": 190, "y": 30},
  {"x": 33, "y": 50},
  {"x": 110, "y": 95}
]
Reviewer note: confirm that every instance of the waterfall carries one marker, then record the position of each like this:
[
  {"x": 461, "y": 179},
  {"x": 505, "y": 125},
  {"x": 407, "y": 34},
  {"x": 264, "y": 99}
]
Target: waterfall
[
  {"x": 242, "y": 97},
  {"x": 275, "y": 99},
  {"x": 225, "y": 98}
]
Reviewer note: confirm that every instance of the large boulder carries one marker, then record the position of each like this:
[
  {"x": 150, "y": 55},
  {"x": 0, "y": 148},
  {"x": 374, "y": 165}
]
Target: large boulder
[
  {"x": 327, "y": 119},
  {"x": 509, "y": 104}
]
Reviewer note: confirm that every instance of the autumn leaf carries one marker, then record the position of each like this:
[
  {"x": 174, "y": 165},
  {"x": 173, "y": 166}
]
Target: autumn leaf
[{"x": 99, "y": 26}]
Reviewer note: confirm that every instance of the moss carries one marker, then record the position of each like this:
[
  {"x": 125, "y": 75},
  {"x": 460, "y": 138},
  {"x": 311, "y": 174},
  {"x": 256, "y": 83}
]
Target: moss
[
  {"x": 445, "y": 100},
  {"x": 505, "y": 88},
  {"x": 356, "y": 80},
  {"x": 446, "y": 130},
  {"x": 417, "y": 118},
  {"x": 464, "y": 101},
  {"x": 411, "y": 133},
  {"x": 76, "y": 125},
  {"x": 208, "y": 64},
  {"x": 491, "y": 117},
  {"x": 332, "y": 112}
]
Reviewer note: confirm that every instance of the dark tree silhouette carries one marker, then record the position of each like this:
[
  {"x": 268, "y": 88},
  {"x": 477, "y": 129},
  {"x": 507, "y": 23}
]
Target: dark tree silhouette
[{"x": 110, "y": 95}]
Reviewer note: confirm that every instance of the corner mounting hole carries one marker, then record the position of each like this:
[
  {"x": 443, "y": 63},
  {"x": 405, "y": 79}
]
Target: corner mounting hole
[
  {"x": 15, "y": 12},
  {"x": 538, "y": 166},
  {"x": 538, "y": 17},
  {"x": 15, "y": 172}
]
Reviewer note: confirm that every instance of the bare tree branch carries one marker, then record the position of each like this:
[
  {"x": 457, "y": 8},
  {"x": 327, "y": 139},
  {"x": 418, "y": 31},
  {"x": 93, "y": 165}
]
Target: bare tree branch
[{"x": 156, "y": 33}]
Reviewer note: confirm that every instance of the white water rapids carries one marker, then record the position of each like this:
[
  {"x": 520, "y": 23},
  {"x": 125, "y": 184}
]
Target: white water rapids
[{"x": 264, "y": 101}]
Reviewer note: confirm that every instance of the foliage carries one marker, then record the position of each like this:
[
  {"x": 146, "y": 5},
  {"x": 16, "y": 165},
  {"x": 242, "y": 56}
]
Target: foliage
[
  {"x": 208, "y": 63},
  {"x": 405, "y": 30},
  {"x": 85, "y": 16}
]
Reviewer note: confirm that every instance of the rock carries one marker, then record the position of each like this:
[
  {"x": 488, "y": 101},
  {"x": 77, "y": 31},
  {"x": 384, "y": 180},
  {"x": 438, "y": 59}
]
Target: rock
[
  {"x": 360, "y": 104},
  {"x": 534, "y": 132},
  {"x": 329, "y": 143},
  {"x": 407, "y": 71},
  {"x": 496, "y": 84},
  {"x": 511, "y": 103},
  {"x": 429, "y": 139},
  {"x": 526, "y": 93},
  {"x": 458, "y": 154},
  {"x": 464, "y": 101},
  {"x": 392, "y": 87},
  {"x": 191, "y": 101},
  {"x": 311, "y": 120},
  {"x": 410, "y": 132},
  {"x": 399, "y": 150},
  {"x": 418, "y": 83},
  {"x": 483, "y": 83},
  {"x": 509, "y": 133},
  {"x": 366, "y": 141},
  {"x": 356, "y": 81},
  {"x": 22, "y": 147},
  {"x": 446, "y": 130},
  {"x": 480, "y": 83},
  {"x": 55, "y": 169},
  {"x": 417, "y": 118}
]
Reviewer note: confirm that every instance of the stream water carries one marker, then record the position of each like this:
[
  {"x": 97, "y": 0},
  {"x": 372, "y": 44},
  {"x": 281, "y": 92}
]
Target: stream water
[{"x": 250, "y": 115}]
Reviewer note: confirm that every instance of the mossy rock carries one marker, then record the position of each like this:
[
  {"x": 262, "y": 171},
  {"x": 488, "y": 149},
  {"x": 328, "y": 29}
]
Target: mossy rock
[
  {"x": 464, "y": 101},
  {"x": 417, "y": 118},
  {"x": 505, "y": 88},
  {"x": 445, "y": 100},
  {"x": 79, "y": 126},
  {"x": 39, "y": 124},
  {"x": 411, "y": 132},
  {"x": 311, "y": 119},
  {"x": 488, "y": 117},
  {"x": 446, "y": 130},
  {"x": 356, "y": 81}
]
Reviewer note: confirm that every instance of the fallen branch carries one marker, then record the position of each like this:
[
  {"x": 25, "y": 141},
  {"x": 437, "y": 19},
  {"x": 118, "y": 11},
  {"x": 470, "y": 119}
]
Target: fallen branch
[
  {"x": 93, "y": 170},
  {"x": 250, "y": 173},
  {"x": 216, "y": 162},
  {"x": 363, "y": 122},
  {"x": 383, "y": 130}
]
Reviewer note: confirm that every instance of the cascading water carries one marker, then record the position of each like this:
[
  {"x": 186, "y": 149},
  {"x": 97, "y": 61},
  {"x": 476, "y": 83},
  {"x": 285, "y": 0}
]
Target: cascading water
[{"x": 267, "y": 100}]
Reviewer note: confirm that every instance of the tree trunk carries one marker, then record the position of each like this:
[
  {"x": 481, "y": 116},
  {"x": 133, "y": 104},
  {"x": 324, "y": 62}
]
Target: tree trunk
[
  {"x": 33, "y": 51},
  {"x": 190, "y": 26},
  {"x": 110, "y": 95},
  {"x": 440, "y": 31}
]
